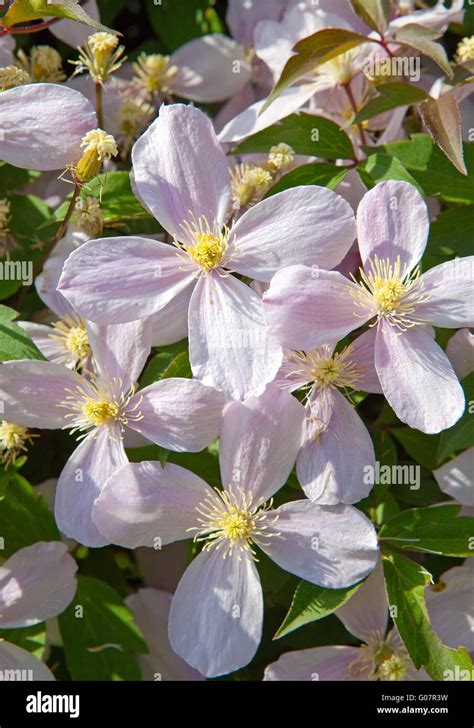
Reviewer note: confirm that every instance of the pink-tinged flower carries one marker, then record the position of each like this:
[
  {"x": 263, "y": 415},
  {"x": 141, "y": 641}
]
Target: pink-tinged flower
[
  {"x": 7, "y": 46},
  {"x": 217, "y": 611},
  {"x": 48, "y": 140},
  {"x": 242, "y": 16},
  {"x": 328, "y": 472},
  {"x": 460, "y": 351},
  {"x": 305, "y": 308},
  {"x": 437, "y": 17},
  {"x": 181, "y": 175},
  {"x": 36, "y": 583},
  {"x": 451, "y": 606},
  {"x": 151, "y": 609},
  {"x": 73, "y": 33},
  {"x": 179, "y": 414},
  {"x": 456, "y": 477},
  {"x": 382, "y": 655}
]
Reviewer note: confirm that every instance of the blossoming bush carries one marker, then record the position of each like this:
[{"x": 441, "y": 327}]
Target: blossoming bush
[{"x": 236, "y": 379}]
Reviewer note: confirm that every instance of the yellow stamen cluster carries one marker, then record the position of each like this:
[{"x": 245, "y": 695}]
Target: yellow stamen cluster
[
  {"x": 384, "y": 659},
  {"x": 97, "y": 145},
  {"x": 71, "y": 334},
  {"x": 101, "y": 56},
  {"x": 87, "y": 216},
  {"x": 465, "y": 50},
  {"x": 94, "y": 404},
  {"x": 342, "y": 68},
  {"x": 281, "y": 156},
  {"x": 13, "y": 441},
  {"x": 230, "y": 519},
  {"x": 12, "y": 76},
  {"x": 5, "y": 216},
  {"x": 250, "y": 182},
  {"x": 209, "y": 245},
  {"x": 393, "y": 291},
  {"x": 326, "y": 369},
  {"x": 44, "y": 65},
  {"x": 154, "y": 73}
]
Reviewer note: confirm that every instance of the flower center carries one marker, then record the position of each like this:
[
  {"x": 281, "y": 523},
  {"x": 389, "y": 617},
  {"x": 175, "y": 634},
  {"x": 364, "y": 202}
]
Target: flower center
[
  {"x": 13, "y": 440},
  {"x": 87, "y": 216},
  {"x": 209, "y": 245},
  {"x": 12, "y": 76},
  {"x": 44, "y": 65},
  {"x": 326, "y": 369},
  {"x": 71, "y": 334},
  {"x": 230, "y": 519},
  {"x": 101, "y": 56},
  {"x": 465, "y": 50},
  {"x": 154, "y": 73},
  {"x": 97, "y": 145},
  {"x": 394, "y": 290},
  {"x": 95, "y": 403},
  {"x": 5, "y": 217},
  {"x": 386, "y": 659}
]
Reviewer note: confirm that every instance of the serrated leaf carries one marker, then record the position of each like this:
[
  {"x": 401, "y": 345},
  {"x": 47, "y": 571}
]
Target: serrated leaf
[
  {"x": 25, "y": 517},
  {"x": 422, "y": 39},
  {"x": 99, "y": 635},
  {"x": 14, "y": 342},
  {"x": 376, "y": 13},
  {"x": 312, "y": 52},
  {"x": 310, "y": 135},
  {"x": 461, "y": 435},
  {"x": 391, "y": 96},
  {"x": 436, "y": 530},
  {"x": 380, "y": 167},
  {"x": 406, "y": 582},
  {"x": 22, "y": 11},
  {"x": 324, "y": 175},
  {"x": 310, "y": 603},
  {"x": 442, "y": 120}
]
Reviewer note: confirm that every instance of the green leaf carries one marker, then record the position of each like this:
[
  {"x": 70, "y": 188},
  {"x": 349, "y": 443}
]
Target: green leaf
[
  {"x": 324, "y": 175},
  {"x": 452, "y": 232},
  {"x": 420, "y": 446},
  {"x": 24, "y": 515},
  {"x": 461, "y": 435},
  {"x": 391, "y": 96},
  {"x": 22, "y": 11},
  {"x": 120, "y": 209},
  {"x": 376, "y": 13},
  {"x": 406, "y": 582},
  {"x": 14, "y": 178},
  {"x": 310, "y": 603},
  {"x": 442, "y": 120},
  {"x": 435, "y": 530},
  {"x": 380, "y": 167},
  {"x": 32, "y": 639},
  {"x": 14, "y": 342},
  {"x": 431, "y": 169},
  {"x": 178, "y": 21},
  {"x": 310, "y": 135},
  {"x": 99, "y": 635},
  {"x": 166, "y": 364},
  {"x": 312, "y": 52},
  {"x": 422, "y": 39}
]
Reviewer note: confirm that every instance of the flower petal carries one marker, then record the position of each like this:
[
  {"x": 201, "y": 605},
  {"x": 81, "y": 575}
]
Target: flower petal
[
  {"x": 36, "y": 583},
  {"x": 32, "y": 390},
  {"x": 392, "y": 221},
  {"x": 73, "y": 33},
  {"x": 48, "y": 346},
  {"x": 363, "y": 355},
  {"x": 456, "y": 477},
  {"x": 170, "y": 324},
  {"x": 319, "y": 223},
  {"x": 317, "y": 663},
  {"x": 180, "y": 169},
  {"x": 307, "y": 307},
  {"x": 98, "y": 456},
  {"x": 52, "y": 142},
  {"x": 328, "y": 472},
  {"x": 365, "y": 615},
  {"x": 451, "y": 609},
  {"x": 228, "y": 344},
  {"x": 121, "y": 350},
  {"x": 116, "y": 280},
  {"x": 151, "y": 609},
  {"x": 449, "y": 287},
  {"x": 180, "y": 414},
  {"x": 460, "y": 351},
  {"x": 217, "y": 613},
  {"x": 259, "y": 441},
  {"x": 332, "y": 546},
  {"x": 147, "y": 504},
  {"x": 417, "y": 378},
  {"x": 17, "y": 662},
  {"x": 210, "y": 68}
]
